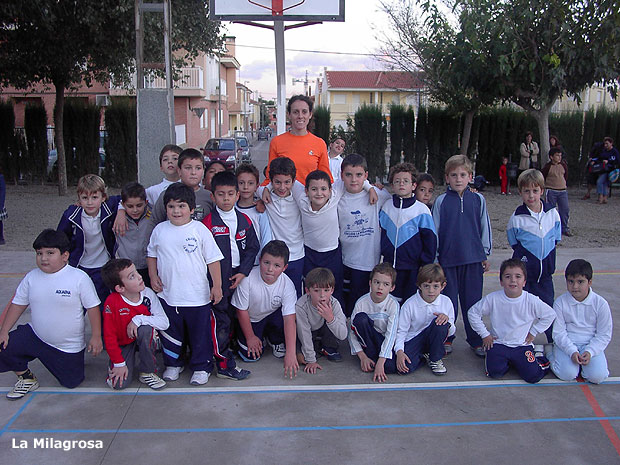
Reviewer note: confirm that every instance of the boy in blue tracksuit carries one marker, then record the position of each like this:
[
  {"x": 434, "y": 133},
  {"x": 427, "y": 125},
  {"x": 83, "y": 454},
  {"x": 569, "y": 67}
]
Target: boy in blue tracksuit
[
  {"x": 465, "y": 242},
  {"x": 88, "y": 226},
  {"x": 408, "y": 237},
  {"x": 533, "y": 231},
  {"x": 239, "y": 255}
]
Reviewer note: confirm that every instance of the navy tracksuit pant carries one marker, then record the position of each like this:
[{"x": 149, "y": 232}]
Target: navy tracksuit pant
[
  {"x": 430, "y": 341},
  {"x": 500, "y": 358},
  {"x": 371, "y": 340},
  {"x": 464, "y": 283}
]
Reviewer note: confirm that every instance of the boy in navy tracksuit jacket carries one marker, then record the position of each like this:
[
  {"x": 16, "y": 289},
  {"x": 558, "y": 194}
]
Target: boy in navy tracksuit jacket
[
  {"x": 464, "y": 231},
  {"x": 88, "y": 226},
  {"x": 408, "y": 238},
  {"x": 236, "y": 265},
  {"x": 533, "y": 231}
]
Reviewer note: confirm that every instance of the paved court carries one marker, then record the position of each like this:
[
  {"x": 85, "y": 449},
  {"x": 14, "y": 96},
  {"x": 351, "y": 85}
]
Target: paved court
[{"x": 336, "y": 416}]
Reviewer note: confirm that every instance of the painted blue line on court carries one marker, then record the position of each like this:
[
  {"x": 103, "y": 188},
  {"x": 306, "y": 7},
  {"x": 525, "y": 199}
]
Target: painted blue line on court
[
  {"x": 318, "y": 390},
  {"x": 17, "y": 414},
  {"x": 310, "y": 428}
]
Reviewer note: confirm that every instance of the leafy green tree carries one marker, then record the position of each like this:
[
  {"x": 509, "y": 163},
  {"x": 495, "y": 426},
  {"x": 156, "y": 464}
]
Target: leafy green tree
[
  {"x": 321, "y": 117},
  {"x": 66, "y": 43},
  {"x": 371, "y": 139}
]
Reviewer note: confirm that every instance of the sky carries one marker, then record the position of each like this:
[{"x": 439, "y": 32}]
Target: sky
[{"x": 357, "y": 35}]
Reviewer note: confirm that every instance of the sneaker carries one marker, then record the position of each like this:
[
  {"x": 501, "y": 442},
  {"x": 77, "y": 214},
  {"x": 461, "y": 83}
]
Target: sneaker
[
  {"x": 438, "y": 367},
  {"x": 22, "y": 387},
  {"x": 278, "y": 350},
  {"x": 539, "y": 350},
  {"x": 172, "y": 373},
  {"x": 332, "y": 355},
  {"x": 479, "y": 351},
  {"x": 447, "y": 347},
  {"x": 245, "y": 358},
  {"x": 152, "y": 380},
  {"x": 199, "y": 377},
  {"x": 236, "y": 374}
]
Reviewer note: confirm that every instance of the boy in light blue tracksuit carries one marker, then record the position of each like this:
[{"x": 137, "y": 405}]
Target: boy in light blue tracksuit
[
  {"x": 408, "y": 237},
  {"x": 533, "y": 232},
  {"x": 465, "y": 242}
]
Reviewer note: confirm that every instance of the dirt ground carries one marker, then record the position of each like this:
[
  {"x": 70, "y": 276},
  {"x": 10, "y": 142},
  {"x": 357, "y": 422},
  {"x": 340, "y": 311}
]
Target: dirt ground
[{"x": 33, "y": 208}]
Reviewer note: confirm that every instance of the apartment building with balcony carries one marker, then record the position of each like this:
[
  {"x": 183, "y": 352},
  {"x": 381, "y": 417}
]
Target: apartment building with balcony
[{"x": 345, "y": 91}]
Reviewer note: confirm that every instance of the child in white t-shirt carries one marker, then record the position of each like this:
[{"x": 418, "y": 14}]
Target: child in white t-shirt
[
  {"x": 179, "y": 253},
  {"x": 57, "y": 293},
  {"x": 265, "y": 304},
  {"x": 168, "y": 164}
]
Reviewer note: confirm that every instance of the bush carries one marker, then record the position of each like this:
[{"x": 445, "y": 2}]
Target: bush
[
  {"x": 421, "y": 140},
  {"x": 35, "y": 125},
  {"x": 370, "y": 138},
  {"x": 322, "y": 119},
  {"x": 8, "y": 145},
  {"x": 397, "y": 120},
  {"x": 409, "y": 135},
  {"x": 121, "y": 164},
  {"x": 81, "y": 138}
]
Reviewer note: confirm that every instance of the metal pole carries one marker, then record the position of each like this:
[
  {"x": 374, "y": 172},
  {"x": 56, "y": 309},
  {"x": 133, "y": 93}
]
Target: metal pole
[
  {"x": 139, "y": 42},
  {"x": 278, "y": 28}
]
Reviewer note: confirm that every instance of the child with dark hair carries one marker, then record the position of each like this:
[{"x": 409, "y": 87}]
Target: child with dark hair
[
  {"x": 319, "y": 316},
  {"x": 131, "y": 315},
  {"x": 582, "y": 328},
  {"x": 132, "y": 244},
  {"x": 425, "y": 188},
  {"x": 555, "y": 173},
  {"x": 57, "y": 293},
  {"x": 265, "y": 304},
  {"x": 180, "y": 252},
  {"x": 516, "y": 318},
  {"x": 168, "y": 164},
  {"x": 234, "y": 234},
  {"x": 211, "y": 170}
]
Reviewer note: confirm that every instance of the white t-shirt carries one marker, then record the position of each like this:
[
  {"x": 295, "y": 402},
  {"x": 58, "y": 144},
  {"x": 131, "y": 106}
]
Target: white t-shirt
[
  {"x": 384, "y": 316},
  {"x": 153, "y": 192},
  {"x": 56, "y": 301},
  {"x": 360, "y": 232},
  {"x": 285, "y": 221},
  {"x": 183, "y": 253},
  {"x": 261, "y": 299},
  {"x": 95, "y": 254},
  {"x": 335, "y": 167},
  {"x": 230, "y": 219}
]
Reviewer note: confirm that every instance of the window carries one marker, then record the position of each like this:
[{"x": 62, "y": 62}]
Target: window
[
  {"x": 372, "y": 98},
  {"x": 340, "y": 99}
]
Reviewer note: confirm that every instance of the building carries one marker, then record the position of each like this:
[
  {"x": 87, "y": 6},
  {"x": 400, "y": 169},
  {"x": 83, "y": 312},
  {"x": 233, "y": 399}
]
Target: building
[
  {"x": 592, "y": 98},
  {"x": 345, "y": 91}
]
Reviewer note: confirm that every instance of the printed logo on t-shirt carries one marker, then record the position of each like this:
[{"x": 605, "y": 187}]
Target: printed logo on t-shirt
[
  {"x": 123, "y": 311},
  {"x": 107, "y": 309},
  {"x": 524, "y": 258},
  {"x": 310, "y": 152},
  {"x": 63, "y": 292},
  {"x": 276, "y": 301},
  {"x": 359, "y": 226},
  {"x": 191, "y": 244},
  {"x": 219, "y": 230}
]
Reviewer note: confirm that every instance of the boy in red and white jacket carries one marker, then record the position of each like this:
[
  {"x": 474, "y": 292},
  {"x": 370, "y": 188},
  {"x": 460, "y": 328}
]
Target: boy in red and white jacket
[{"x": 131, "y": 314}]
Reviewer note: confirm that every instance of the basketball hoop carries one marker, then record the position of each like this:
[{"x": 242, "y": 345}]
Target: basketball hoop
[{"x": 277, "y": 6}]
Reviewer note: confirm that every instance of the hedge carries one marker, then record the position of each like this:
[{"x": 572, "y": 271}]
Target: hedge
[{"x": 121, "y": 163}]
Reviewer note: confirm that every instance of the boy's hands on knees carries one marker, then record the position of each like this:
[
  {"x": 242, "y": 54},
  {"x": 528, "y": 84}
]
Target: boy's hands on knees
[
  {"x": 216, "y": 294},
  {"x": 95, "y": 345},
  {"x": 486, "y": 266},
  {"x": 529, "y": 338},
  {"x": 401, "y": 361},
  {"x": 266, "y": 198},
  {"x": 255, "y": 347},
  {"x": 366, "y": 363},
  {"x": 325, "y": 310},
  {"x": 487, "y": 342},
  {"x": 380, "y": 375},
  {"x": 312, "y": 367},
  {"x": 441, "y": 319},
  {"x": 290, "y": 365},
  {"x": 118, "y": 375},
  {"x": 156, "y": 283},
  {"x": 120, "y": 225},
  {"x": 235, "y": 280},
  {"x": 132, "y": 330},
  {"x": 4, "y": 340},
  {"x": 585, "y": 358}
]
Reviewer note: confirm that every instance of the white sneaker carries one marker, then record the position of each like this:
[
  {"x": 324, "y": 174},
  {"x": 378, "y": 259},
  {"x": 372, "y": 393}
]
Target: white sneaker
[
  {"x": 437, "y": 367},
  {"x": 172, "y": 373},
  {"x": 199, "y": 377},
  {"x": 278, "y": 350},
  {"x": 22, "y": 387},
  {"x": 152, "y": 380}
]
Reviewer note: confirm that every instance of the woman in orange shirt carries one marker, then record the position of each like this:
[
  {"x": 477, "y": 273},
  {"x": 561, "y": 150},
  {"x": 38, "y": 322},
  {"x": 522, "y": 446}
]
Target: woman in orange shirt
[{"x": 307, "y": 151}]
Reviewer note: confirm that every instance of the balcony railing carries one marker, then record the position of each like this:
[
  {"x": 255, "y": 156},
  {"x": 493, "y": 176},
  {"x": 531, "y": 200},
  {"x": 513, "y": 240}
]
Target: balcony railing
[{"x": 190, "y": 78}]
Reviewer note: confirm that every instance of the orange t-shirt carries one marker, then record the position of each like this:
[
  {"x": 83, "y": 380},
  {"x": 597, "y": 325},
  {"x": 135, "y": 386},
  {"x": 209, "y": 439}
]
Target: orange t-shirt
[{"x": 308, "y": 152}]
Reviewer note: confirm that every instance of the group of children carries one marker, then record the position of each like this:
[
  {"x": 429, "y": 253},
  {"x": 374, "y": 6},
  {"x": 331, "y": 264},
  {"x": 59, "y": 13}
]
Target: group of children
[{"x": 227, "y": 272}]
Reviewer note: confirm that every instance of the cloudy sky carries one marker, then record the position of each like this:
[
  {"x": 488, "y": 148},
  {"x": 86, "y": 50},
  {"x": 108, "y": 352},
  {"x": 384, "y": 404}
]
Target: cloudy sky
[{"x": 351, "y": 39}]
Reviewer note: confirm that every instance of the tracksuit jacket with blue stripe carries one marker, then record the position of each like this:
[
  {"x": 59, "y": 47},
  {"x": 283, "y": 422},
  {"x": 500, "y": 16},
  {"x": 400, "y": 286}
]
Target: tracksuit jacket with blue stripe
[
  {"x": 408, "y": 237},
  {"x": 533, "y": 240}
]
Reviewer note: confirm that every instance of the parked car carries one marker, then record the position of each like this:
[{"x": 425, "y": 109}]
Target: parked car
[
  {"x": 223, "y": 149},
  {"x": 244, "y": 145},
  {"x": 262, "y": 134}
]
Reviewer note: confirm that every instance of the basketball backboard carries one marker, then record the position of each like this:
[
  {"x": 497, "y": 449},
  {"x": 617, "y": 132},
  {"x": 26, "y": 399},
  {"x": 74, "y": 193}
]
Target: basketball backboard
[{"x": 276, "y": 10}]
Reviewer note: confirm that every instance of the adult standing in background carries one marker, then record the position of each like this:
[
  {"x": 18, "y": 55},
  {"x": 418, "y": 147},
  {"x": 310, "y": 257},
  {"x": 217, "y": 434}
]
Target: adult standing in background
[
  {"x": 606, "y": 162},
  {"x": 554, "y": 143},
  {"x": 529, "y": 153},
  {"x": 308, "y": 152}
]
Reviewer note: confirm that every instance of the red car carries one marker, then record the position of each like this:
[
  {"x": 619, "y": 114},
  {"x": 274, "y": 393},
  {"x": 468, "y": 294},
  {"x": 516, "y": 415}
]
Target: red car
[{"x": 225, "y": 150}]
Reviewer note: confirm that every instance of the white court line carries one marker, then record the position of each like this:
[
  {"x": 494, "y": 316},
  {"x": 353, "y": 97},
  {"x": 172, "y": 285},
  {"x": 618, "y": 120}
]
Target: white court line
[{"x": 312, "y": 388}]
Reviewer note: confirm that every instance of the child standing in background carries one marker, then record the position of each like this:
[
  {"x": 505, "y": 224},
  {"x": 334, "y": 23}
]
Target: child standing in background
[{"x": 503, "y": 176}]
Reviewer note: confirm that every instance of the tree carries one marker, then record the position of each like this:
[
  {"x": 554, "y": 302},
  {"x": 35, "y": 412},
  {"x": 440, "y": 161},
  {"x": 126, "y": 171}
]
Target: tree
[
  {"x": 541, "y": 49},
  {"x": 428, "y": 42},
  {"x": 69, "y": 42}
]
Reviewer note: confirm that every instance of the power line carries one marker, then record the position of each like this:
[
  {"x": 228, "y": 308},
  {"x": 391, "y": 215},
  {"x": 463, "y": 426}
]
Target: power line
[{"x": 313, "y": 51}]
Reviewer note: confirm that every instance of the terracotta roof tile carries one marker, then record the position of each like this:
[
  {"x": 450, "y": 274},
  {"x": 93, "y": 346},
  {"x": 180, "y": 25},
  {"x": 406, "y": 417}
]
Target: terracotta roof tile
[{"x": 372, "y": 80}]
